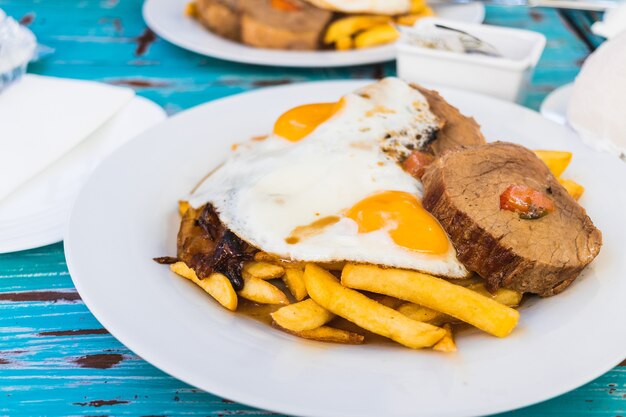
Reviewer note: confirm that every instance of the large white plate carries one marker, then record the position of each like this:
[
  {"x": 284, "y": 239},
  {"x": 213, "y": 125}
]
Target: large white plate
[
  {"x": 37, "y": 213},
  {"x": 167, "y": 19},
  {"x": 127, "y": 214}
]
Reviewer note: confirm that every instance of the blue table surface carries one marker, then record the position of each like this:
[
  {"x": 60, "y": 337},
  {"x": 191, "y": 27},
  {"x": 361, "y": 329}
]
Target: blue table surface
[{"x": 55, "y": 358}]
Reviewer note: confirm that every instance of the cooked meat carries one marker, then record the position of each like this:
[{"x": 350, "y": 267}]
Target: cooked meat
[
  {"x": 459, "y": 130},
  {"x": 207, "y": 246},
  {"x": 220, "y": 17},
  {"x": 297, "y": 25},
  {"x": 542, "y": 256}
]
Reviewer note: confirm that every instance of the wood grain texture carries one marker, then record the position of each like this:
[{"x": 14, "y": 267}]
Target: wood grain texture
[{"x": 55, "y": 358}]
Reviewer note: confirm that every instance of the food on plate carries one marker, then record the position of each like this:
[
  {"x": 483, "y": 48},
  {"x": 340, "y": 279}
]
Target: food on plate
[
  {"x": 557, "y": 161},
  {"x": 305, "y": 315},
  {"x": 434, "y": 293},
  {"x": 383, "y": 215},
  {"x": 329, "y": 335},
  {"x": 307, "y": 24},
  {"x": 262, "y": 270},
  {"x": 217, "y": 285},
  {"x": 328, "y": 292},
  {"x": 542, "y": 255},
  {"x": 458, "y": 130},
  {"x": 294, "y": 279},
  {"x": 446, "y": 344},
  {"x": 261, "y": 291}
]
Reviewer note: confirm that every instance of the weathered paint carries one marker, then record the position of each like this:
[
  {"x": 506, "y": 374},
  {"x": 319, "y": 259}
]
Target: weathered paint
[{"x": 55, "y": 358}]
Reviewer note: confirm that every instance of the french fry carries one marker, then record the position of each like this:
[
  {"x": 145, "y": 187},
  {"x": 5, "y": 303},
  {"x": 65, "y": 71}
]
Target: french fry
[
  {"x": 263, "y": 270},
  {"x": 387, "y": 301},
  {"x": 345, "y": 43},
  {"x": 502, "y": 295},
  {"x": 325, "y": 290},
  {"x": 262, "y": 292},
  {"x": 466, "y": 282},
  {"x": 557, "y": 161},
  {"x": 573, "y": 188},
  {"x": 329, "y": 334},
  {"x": 446, "y": 344},
  {"x": 294, "y": 280},
  {"x": 435, "y": 293},
  {"x": 183, "y": 206},
  {"x": 378, "y": 35},
  {"x": 349, "y": 26},
  {"x": 273, "y": 259},
  {"x": 411, "y": 19},
  {"x": 191, "y": 9},
  {"x": 305, "y": 315},
  {"x": 417, "y": 6},
  {"x": 425, "y": 314},
  {"x": 217, "y": 285}
]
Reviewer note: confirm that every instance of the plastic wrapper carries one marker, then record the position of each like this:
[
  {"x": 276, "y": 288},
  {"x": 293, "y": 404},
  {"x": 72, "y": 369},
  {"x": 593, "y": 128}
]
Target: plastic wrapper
[{"x": 17, "y": 48}]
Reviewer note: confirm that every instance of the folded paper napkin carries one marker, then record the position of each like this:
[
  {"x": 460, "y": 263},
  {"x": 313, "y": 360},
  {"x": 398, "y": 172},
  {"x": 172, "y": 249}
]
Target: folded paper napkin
[
  {"x": 42, "y": 118},
  {"x": 613, "y": 23},
  {"x": 596, "y": 108}
]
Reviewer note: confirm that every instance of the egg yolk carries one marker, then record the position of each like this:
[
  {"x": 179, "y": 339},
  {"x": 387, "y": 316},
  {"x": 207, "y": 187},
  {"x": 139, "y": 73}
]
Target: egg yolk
[
  {"x": 403, "y": 216},
  {"x": 298, "y": 122}
]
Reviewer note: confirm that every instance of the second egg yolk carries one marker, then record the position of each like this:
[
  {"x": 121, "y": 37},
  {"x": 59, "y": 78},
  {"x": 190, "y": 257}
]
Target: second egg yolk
[
  {"x": 298, "y": 122},
  {"x": 402, "y": 215}
]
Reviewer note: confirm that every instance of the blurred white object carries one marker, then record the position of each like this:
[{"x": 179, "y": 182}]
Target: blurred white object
[
  {"x": 554, "y": 106},
  {"x": 613, "y": 23},
  {"x": 42, "y": 118},
  {"x": 37, "y": 213},
  {"x": 17, "y": 48},
  {"x": 598, "y": 104},
  {"x": 504, "y": 76}
]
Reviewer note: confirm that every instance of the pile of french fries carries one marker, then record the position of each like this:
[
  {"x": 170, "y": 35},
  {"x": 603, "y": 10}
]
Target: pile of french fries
[
  {"x": 414, "y": 309},
  {"x": 557, "y": 162},
  {"x": 364, "y": 31}
]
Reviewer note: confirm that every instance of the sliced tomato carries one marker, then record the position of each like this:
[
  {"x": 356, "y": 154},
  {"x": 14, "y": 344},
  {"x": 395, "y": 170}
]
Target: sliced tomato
[
  {"x": 525, "y": 200},
  {"x": 285, "y": 5},
  {"x": 416, "y": 163}
]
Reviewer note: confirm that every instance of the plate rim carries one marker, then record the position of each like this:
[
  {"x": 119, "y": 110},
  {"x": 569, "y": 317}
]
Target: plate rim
[{"x": 260, "y": 402}]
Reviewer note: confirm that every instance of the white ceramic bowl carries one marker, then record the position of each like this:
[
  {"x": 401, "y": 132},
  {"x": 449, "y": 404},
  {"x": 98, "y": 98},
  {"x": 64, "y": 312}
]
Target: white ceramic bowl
[{"x": 504, "y": 77}]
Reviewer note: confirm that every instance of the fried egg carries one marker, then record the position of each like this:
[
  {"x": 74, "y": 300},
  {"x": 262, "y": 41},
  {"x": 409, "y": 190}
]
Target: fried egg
[
  {"x": 327, "y": 186},
  {"x": 385, "y": 7}
]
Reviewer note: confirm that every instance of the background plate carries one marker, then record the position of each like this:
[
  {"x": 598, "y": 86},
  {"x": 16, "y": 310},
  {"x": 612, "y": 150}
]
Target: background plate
[
  {"x": 127, "y": 214},
  {"x": 167, "y": 19}
]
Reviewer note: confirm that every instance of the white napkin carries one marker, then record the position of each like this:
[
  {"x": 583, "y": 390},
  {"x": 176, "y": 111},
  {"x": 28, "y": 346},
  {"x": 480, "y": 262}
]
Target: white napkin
[
  {"x": 42, "y": 118},
  {"x": 613, "y": 24}
]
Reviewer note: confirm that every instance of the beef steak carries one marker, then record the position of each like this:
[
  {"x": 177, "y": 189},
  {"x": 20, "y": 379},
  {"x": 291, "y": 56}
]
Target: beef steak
[
  {"x": 542, "y": 256},
  {"x": 458, "y": 130}
]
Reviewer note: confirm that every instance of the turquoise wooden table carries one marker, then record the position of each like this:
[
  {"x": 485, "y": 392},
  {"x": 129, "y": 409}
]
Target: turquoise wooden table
[{"x": 55, "y": 358}]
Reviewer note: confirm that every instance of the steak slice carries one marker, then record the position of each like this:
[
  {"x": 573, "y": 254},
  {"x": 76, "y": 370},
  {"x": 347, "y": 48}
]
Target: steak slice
[
  {"x": 541, "y": 256},
  {"x": 207, "y": 246},
  {"x": 459, "y": 130},
  {"x": 261, "y": 24},
  {"x": 220, "y": 17}
]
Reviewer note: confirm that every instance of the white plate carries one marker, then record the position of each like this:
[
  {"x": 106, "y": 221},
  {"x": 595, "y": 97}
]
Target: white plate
[
  {"x": 554, "y": 106},
  {"x": 127, "y": 214},
  {"x": 37, "y": 214},
  {"x": 167, "y": 19}
]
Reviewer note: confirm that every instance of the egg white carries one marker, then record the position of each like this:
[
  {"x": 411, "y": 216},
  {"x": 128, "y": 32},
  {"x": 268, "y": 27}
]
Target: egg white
[
  {"x": 384, "y": 7},
  {"x": 268, "y": 188}
]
